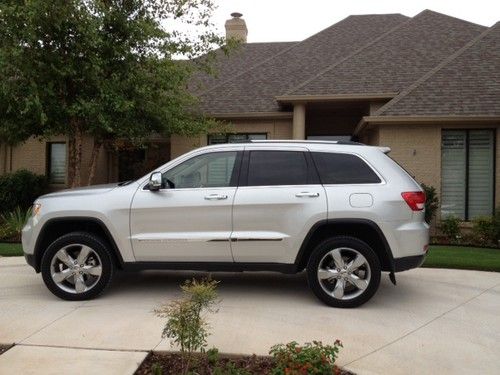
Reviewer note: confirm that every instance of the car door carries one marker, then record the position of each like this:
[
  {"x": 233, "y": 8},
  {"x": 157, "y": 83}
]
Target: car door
[
  {"x": 278, "y": 200},
  {"x": 189, "y": 218}
]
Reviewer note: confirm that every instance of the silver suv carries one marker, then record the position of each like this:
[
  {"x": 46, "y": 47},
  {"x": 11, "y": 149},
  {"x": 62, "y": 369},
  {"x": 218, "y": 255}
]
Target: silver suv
[{"x": 342, "y": 211}]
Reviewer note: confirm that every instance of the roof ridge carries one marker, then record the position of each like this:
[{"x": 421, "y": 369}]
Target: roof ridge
[
  {"x": 433, "y": 71},
  {"x": 359, "y": 50},
  {"x": 449, "y": 16},
  {"x": 330, "y": 67},
  {"x": 273, "y": 56},
  {"x": 275, "y": 42}
]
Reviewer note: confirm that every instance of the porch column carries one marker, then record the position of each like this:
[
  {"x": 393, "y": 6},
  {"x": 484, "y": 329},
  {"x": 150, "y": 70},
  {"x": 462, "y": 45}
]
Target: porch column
[{"x": 299, "y": 121}]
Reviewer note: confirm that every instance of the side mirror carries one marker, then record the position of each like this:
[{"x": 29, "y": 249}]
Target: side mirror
[{"x": 155, "y": 181}]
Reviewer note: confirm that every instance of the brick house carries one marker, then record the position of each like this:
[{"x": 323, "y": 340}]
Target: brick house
[{"x": 427, "y": 86}]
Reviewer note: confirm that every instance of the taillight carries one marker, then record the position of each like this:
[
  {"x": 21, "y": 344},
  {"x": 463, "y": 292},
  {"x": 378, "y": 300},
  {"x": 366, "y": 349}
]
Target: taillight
[{"x": 414, "y": 199}]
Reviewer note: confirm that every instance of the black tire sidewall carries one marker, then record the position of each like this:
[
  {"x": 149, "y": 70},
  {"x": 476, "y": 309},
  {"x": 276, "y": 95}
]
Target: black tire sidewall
[
  {"x": 353, "y": 243},
  {"x": 96, "y": 244}
]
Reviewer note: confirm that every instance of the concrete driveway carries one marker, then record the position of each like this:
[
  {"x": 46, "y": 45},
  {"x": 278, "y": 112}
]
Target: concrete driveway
[{"x": 434, "y": 321}]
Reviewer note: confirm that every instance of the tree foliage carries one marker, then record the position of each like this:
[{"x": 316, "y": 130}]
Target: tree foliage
[{"x": 107, "y": 69}]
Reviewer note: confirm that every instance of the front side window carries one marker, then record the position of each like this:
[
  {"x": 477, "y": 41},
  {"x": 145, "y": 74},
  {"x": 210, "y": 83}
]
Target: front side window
[
  {"x": 467, "y": 173},
  {"x": 343, "y": 169},
  {"x": 214, "y": 139},
  {"x": 207, "y": 170},
  {"x": 267, "y": 168},
  {"x": 56, "y": 163}
]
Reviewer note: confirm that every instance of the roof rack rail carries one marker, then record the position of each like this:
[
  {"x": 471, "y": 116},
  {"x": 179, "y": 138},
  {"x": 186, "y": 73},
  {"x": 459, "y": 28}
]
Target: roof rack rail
[{"x": 352, "y": 143}]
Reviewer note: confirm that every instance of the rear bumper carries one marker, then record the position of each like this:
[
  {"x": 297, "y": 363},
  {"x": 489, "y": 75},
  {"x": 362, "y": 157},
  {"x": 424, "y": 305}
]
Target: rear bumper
[{"x": 407, "y": 263}]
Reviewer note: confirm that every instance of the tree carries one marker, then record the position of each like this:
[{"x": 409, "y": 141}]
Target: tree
[{"x": 108, "y": 69}]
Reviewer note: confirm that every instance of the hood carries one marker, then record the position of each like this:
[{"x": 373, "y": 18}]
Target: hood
[{"x": 82, "y": 191}]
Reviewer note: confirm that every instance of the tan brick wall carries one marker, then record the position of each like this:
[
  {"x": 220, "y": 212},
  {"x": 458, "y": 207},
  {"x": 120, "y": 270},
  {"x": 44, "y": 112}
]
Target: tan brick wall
[
  {"x": 32, "y": 155},
  {"x": 416, "y": 148},
  {"x": 275, "y": 129},
  {"x": 370, "y": 137}
]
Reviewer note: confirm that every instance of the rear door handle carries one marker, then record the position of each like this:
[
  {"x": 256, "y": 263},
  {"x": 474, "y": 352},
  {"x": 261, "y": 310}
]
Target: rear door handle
[
  {"x": 307, "y": 194},
  {"x": 215, "y": 197}
]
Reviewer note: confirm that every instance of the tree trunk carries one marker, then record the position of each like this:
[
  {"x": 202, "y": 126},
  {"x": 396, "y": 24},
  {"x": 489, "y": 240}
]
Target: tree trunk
[
  {"x": 93, "y": 159},
  {"x": 76, "y": 155},
  {"x": 71, "y": 159}
]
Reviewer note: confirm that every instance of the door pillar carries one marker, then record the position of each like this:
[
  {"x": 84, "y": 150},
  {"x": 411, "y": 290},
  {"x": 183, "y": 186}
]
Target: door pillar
[{"x": 299, "y": 121}]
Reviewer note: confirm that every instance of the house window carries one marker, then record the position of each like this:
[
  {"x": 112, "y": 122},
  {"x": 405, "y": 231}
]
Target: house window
[
  {"x": 467, "y": 176},
  {"x": 56, "y": 163},
  {"x": 214, "y": 139}
]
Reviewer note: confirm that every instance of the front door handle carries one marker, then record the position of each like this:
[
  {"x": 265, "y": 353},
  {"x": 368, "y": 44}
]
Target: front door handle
[
  {"x": 307, "y": 194},
  {"x": 215, "y": 197}
]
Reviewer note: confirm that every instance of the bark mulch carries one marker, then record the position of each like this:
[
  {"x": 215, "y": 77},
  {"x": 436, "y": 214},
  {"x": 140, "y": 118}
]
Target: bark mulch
[{"x": 171, "y": 364}]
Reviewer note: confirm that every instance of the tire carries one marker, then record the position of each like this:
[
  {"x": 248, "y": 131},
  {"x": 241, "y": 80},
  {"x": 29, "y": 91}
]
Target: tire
[
  {"x": 354, "y": 286},
  {"x": 68, "y": 280}
]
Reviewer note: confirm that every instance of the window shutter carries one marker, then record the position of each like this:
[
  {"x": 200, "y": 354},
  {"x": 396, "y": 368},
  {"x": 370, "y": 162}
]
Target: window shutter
[
  {"x": 453, "y": 173},
  {"x": 480, "y": 173}
]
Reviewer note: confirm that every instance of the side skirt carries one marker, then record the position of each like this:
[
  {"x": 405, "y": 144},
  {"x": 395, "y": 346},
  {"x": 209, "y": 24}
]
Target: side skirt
[{"x": 211, "y": 266}]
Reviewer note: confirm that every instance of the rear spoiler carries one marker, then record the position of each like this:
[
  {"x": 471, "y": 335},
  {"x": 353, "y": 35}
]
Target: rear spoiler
[{"x": 385, "y": 150}]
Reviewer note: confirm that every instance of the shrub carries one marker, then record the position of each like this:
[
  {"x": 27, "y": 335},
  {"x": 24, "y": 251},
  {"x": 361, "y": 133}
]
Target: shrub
[
  {"x": 20, "y": 189},
  {"x": 450, "y": 226},
  {"x": 483, "y": 230},
  {"x": 156, "y": 369},
  {"x": 312, "y": 358},
  {"x": 185, "y": 324},
  {"x": 431, "y": 202},
  {"x": 12, "y": 223}
]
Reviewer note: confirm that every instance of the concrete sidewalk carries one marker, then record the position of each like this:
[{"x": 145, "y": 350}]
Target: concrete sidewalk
[{"x": 434, "y": 321}]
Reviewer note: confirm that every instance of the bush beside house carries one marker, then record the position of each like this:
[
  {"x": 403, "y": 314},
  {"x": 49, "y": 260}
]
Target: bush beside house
[{"x": 18, "y": 190}]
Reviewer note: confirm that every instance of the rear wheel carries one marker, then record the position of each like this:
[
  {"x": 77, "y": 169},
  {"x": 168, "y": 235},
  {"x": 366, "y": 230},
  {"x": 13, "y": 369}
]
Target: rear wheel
[
  {"x": 343, "y": 272},
  {"x": 77, "y": 266}
]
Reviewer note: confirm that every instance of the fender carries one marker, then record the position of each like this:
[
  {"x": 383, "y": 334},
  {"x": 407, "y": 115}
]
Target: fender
[
  {"x": 349, "y": 221},
  {"x": 72, "y": 220}
]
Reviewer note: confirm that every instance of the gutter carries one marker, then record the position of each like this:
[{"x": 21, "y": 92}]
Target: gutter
[{"x": 424, "y": 120}]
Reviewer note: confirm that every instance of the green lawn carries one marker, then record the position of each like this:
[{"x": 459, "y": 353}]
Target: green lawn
[
  {"x": 472, "y": 258},
  {"x": 469, "y": 258},
  {"x": 10, "y": 249}
]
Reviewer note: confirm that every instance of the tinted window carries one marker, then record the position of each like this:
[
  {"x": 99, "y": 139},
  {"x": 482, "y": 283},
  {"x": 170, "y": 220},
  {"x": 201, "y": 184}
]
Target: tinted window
[
  {"x": 207, "y": 170},
  {"x": 277, "y": 168},
  {"x": 343, "y": 169}
]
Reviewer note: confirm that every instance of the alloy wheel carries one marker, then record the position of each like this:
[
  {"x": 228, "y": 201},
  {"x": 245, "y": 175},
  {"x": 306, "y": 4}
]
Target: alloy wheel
[
  {"x": 76, "y": 268},
  {"x": 344, "y": 273}
]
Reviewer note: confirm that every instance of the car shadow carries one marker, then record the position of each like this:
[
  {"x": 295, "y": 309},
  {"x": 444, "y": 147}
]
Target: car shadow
[{"x": 292, "y": 289}]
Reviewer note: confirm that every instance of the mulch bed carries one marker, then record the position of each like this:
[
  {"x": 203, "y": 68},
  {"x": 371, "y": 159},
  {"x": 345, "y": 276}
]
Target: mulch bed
[
  {"x": 171, "y": 364},
  {"x": 4, "y": 348}
]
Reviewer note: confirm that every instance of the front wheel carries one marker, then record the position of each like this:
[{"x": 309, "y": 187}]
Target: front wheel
[
  {"x": 77, "y": 266},
  {"x": 343, "y": 272}
]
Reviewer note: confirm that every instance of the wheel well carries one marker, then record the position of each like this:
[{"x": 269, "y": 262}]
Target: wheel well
[
  {"x": 56, "y": 228},
  {"x": 364, "y": 230}
]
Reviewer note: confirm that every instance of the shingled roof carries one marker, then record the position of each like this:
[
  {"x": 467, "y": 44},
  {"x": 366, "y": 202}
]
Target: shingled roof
[
  {"x": 244, "y": 57},
  {"x": 255, "y": 89},
  {"x": 465, "y": 84},
  {"x": 396, "y": 60}
]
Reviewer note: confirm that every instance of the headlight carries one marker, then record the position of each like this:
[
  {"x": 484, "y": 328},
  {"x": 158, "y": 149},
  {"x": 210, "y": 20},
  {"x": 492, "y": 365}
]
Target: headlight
[{"x": 36, "y": 209}]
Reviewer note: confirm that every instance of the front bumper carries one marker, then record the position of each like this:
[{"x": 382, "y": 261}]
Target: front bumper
[{"x": 407, "y": 263}]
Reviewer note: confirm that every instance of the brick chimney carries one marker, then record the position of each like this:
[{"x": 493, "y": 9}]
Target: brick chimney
[{"x": 236, "y": 28}]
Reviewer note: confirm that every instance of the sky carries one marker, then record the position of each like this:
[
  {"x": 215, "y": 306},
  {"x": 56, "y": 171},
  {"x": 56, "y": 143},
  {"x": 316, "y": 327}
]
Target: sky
[{"x": 291, "y": 20}]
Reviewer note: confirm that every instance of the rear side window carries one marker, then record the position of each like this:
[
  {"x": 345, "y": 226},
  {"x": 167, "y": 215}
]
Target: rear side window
[
  {"x": 267, "y": 168},
  {"x": 343, "y": 169}
]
